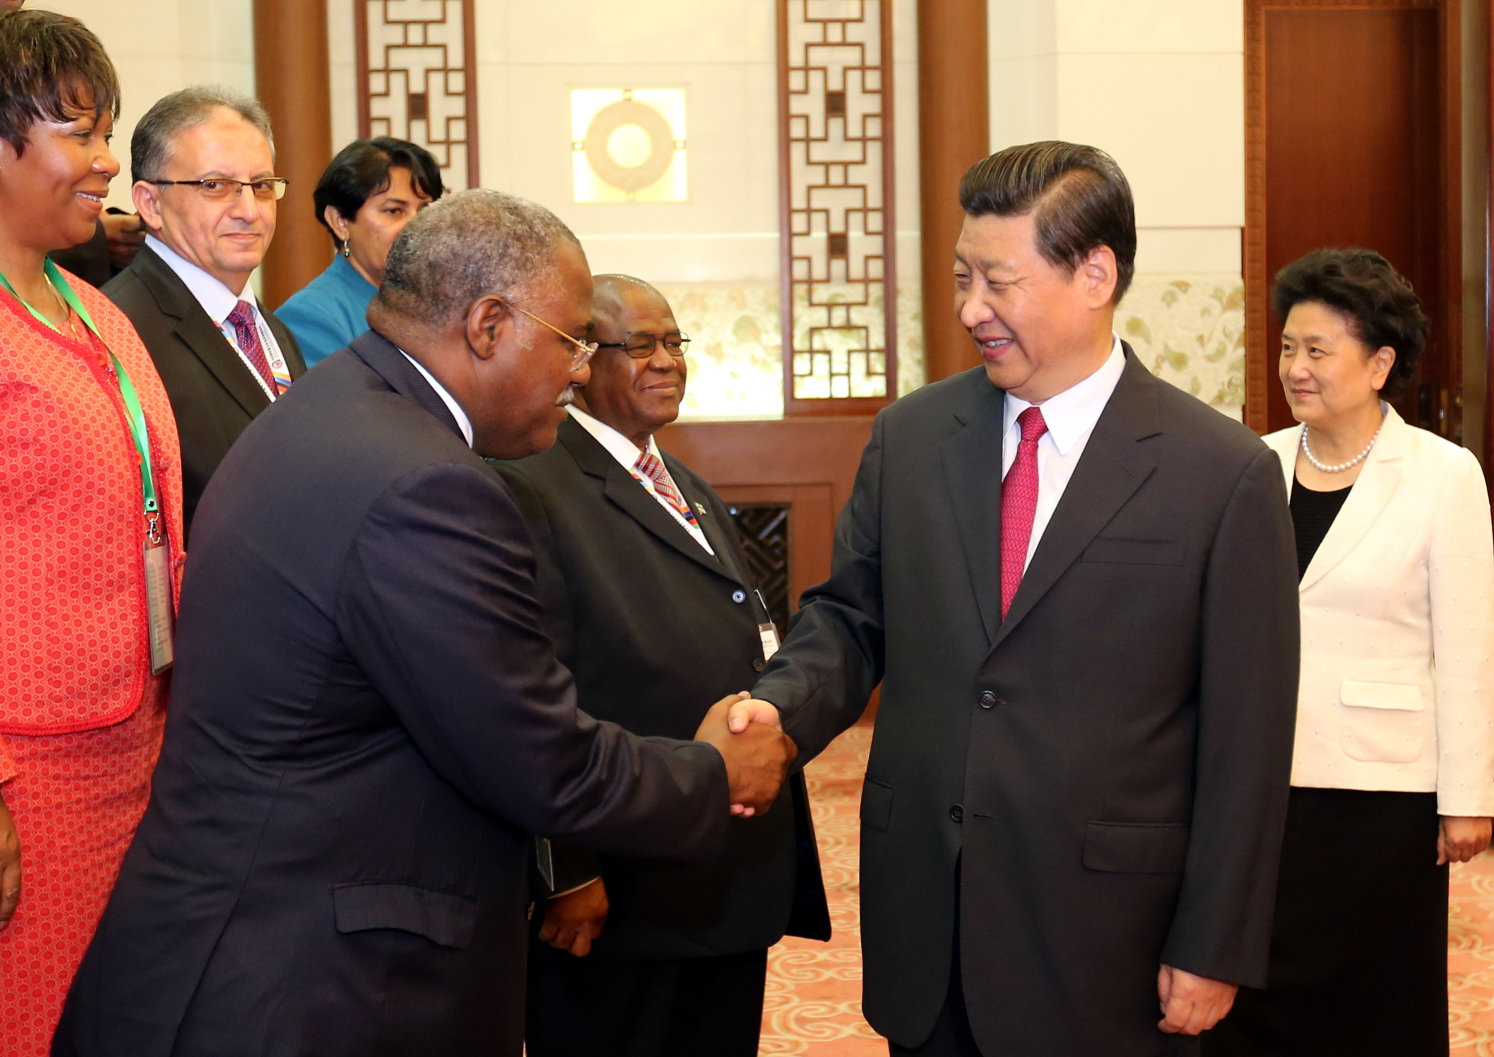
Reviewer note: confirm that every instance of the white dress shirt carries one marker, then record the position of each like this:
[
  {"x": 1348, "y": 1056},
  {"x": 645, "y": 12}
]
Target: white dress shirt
[
  {"x": 1071, "y": 418},
  {"x": 218, "y": 301},
  {"x": 627, "y": 454},
  {"x": 463, "y": 422}
]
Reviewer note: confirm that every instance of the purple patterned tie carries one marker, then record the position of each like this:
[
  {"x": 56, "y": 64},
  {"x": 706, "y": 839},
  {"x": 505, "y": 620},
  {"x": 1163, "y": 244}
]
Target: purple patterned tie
[
  {"x": 1019, "y": 494},
  {"x": 242, "y": 320}
]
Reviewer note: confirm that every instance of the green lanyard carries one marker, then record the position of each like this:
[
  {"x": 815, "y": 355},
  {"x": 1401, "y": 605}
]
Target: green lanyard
[{"x": 138, "y": 429}]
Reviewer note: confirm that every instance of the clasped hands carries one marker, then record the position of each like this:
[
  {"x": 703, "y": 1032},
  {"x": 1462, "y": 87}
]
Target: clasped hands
[{"x": 749, "y": 736}]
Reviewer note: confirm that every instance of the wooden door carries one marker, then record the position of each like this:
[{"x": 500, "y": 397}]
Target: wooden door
[{"x": 1352, "y": 114}]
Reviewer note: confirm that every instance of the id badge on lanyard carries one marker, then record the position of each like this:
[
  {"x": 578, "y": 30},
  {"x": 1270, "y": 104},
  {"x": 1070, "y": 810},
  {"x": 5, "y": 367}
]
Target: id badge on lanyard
[
  {"x": 157, "y": 550},
  {"x": 767, "y": 633}
]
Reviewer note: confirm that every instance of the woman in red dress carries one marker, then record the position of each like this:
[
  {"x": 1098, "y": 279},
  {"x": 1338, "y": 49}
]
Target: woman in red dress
[{"x": 90, "y": 500}]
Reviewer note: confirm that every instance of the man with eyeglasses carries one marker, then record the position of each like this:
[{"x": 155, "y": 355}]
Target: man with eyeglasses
[
  {"x": 652, "y": 605},
  {"x": 368, "y": 716},
  {"x": 203, "y": 162}
]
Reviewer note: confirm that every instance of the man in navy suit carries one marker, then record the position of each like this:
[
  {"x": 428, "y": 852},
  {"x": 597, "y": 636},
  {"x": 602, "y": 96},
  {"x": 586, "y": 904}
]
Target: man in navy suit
[{"x": 367, "y": 715}]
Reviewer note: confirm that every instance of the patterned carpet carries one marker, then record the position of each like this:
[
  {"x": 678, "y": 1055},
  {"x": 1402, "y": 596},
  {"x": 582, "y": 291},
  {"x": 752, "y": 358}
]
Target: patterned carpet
[{"x": 813, "y": 1003}]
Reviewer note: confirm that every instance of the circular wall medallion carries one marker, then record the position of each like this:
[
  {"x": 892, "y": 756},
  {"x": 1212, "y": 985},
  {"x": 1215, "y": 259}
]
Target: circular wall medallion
[{"x": 629, "y": 145}]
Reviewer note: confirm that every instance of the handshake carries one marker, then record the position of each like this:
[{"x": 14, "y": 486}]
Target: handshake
[{"x": 750, "y": 738}]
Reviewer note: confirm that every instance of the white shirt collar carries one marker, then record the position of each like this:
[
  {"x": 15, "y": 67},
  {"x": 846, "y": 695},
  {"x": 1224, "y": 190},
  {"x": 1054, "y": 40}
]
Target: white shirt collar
[
  {"x": 621, "y": 448},
  {"x": 462, "y": 421},
  {"x": 1073, "y": 413},
  {"x": 217, "y": 300}
]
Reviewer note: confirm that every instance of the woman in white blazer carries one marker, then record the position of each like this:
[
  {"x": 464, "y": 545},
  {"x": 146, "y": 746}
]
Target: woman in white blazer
[{"x": 1393, "y": 772}]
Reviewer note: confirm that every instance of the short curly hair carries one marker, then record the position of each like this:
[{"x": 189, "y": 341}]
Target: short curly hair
[
  {"x": 52, "y": 68},
  {"x": 1375, "y": 300}
]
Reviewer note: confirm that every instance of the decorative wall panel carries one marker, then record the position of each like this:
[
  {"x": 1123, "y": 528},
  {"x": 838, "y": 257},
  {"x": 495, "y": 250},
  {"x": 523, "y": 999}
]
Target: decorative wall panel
[
  {"x": 628, "y": 145},
  {"x": 1187, "y": 328},
  {"x": 764, "y": 528},
  {"x": 417, "y": 79},
  {"x": 836, "y": 208}
]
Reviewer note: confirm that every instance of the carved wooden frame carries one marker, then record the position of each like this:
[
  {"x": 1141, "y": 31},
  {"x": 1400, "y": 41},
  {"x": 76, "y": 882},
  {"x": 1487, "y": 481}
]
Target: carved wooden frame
[
  {"x": 468, "y": 70},
  {"x": 793, "y": 405}
]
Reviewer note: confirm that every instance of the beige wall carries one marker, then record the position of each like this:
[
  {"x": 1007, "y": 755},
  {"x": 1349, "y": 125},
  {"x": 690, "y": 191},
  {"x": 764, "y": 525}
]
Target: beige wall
[
  {"x": 159, "y": 46},
  {"x": 1159, "y": 84}
]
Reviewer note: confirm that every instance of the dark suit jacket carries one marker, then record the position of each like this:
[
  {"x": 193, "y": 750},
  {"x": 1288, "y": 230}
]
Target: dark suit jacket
[
  {"x": 656, "y": 631},
  {"x": 366, "y": 719},
  {"x": 1102, "y": 776},
  {"x": 213, "y": 395}
]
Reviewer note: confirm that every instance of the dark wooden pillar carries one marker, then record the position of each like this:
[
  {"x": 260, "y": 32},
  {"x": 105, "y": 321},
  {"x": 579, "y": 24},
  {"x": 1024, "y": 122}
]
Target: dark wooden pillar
[
  {"x": 954, "y": 132},
  {"x": 292, "y": 82}
]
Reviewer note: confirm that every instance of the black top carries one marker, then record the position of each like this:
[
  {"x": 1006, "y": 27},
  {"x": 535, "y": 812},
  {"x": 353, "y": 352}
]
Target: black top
[{"x": 1312, "y": 516}]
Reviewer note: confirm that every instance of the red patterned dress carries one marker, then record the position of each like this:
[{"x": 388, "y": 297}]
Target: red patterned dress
[{"x": 80, "y": 713}]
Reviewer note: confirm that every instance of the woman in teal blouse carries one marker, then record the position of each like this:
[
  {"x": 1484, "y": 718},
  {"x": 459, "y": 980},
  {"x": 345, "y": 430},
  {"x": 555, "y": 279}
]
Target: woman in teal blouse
[{"x": 367, "y": 194}]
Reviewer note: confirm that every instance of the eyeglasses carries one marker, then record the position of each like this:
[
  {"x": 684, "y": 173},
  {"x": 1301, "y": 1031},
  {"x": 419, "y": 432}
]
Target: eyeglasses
[
  {"x": 641, "y": 346},
  {"x": 272, "y": 188},
  {"x": 582, "y": 352}
]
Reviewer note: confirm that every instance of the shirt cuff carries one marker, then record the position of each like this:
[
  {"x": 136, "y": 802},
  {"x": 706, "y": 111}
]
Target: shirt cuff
[{"x": 578, "y": 888}]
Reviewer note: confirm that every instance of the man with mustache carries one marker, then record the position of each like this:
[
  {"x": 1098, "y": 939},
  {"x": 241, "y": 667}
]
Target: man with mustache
[
  {"x": 367, "y": 716},
  {"x": 651, "y": 603},
  {"x": 203, "y": 162}
]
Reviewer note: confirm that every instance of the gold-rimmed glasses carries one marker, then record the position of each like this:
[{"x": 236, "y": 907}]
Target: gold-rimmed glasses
[
  {"x": 221, "y": 189},
  {"x": 581, "y": 353}
]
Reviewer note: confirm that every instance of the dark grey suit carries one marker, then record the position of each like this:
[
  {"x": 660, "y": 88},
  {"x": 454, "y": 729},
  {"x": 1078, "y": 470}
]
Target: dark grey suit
[
  {"x": 213, "y": 395},
  {"x": 1106, "y": 769},
  {"x": 656, "y": 630},
  {"x": 366, "y": 717}
]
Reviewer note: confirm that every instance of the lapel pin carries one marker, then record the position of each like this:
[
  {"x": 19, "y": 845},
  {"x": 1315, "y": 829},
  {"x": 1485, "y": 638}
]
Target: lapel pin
[{"x": 700, "y": 509}]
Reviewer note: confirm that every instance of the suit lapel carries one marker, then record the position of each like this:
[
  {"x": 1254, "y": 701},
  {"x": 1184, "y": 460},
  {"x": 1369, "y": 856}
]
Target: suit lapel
[
  {"x": 972, "y": 475},
  {"x": 1285, "y": 448},
  {"x": 706, "y": 518},
  {"x": 623, "y": 491},
  {"x": 1108, "y": 474},
  {"x": 1377, "y": 482},
  {"x": 196, "y": 331}
]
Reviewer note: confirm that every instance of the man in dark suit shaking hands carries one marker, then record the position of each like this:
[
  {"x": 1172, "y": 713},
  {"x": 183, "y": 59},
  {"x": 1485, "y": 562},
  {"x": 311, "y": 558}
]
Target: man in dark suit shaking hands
[
  {"x": 1076, "y": 585},
  {"x": 651, "y": 604},
  {"x": 367, "y": 716}
]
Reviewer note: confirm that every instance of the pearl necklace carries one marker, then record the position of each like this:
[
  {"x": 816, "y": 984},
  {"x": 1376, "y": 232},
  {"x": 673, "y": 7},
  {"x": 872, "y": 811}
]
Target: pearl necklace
[{"x": 1341, "y": 467}]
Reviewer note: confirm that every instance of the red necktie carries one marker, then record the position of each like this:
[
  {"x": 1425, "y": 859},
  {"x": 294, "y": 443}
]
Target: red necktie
[
  {"x": 242, "y": 321},
  {"x": 1019, "y": 493}
]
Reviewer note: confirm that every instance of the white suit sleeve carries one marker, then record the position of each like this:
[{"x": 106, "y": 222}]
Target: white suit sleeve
[{"x": 1461, "y": 577}]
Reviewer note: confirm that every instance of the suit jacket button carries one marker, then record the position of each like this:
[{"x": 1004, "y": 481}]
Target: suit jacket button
[
  {"x": 758, "y": 664},
  {"x": 957, "y": 813},
  {"x": 739, "y": 597},
  {"x": 987, "y": 699}
]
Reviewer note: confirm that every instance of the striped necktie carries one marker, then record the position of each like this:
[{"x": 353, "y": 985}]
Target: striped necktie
[{"x": 651, "y": 466}]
